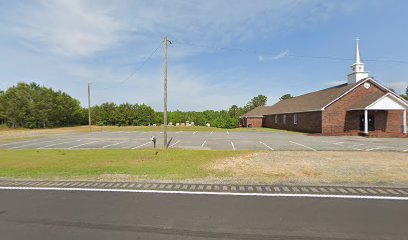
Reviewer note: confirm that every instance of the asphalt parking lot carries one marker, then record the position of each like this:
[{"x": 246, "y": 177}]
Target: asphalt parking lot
[{"x": 273, "y": 141}]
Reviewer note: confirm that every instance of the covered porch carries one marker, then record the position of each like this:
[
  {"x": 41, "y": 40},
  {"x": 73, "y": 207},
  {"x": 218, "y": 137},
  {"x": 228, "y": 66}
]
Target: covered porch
[{"x": 381, "y": 115}]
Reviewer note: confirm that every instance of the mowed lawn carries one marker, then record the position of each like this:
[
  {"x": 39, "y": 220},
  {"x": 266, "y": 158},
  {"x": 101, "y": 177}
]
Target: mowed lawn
[{"x": 109, "y": 164}]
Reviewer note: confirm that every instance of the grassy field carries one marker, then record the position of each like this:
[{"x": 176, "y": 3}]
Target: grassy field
[
  {"x": 245, "y": 167},
  {"x": 109, "y": 164}
]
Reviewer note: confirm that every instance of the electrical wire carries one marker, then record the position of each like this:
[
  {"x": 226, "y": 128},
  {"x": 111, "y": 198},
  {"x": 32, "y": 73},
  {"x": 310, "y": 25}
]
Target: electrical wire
[
  {"x": 140, "y": 67},
  {"x": 252, "y": 51}
]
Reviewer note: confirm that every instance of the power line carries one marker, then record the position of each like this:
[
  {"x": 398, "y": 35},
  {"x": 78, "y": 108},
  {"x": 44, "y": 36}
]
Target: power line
[
  {"x": 252, "y": 51},
  {"x": 136, "y": 69}
]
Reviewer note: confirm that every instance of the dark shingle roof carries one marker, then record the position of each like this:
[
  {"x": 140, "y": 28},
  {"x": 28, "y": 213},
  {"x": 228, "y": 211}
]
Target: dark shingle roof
[
  {"x": 313, "y": 101},
  {"x": 256, "y": 112}
]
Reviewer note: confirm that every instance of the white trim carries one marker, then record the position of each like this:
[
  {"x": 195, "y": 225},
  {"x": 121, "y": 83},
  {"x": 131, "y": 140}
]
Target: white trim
[
  {"x": 361, "y": 82},
  {"x": 404, "y": 122},
  {"x": 386, "y": 95},
  {"x": 366, "y": 197}
]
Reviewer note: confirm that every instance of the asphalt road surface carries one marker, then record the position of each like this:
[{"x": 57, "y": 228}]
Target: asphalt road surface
[{"x": 30, "y": 214}]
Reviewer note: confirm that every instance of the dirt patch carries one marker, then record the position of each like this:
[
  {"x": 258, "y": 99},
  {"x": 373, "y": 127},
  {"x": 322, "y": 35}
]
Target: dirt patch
[{"x": 298, "y": 167}]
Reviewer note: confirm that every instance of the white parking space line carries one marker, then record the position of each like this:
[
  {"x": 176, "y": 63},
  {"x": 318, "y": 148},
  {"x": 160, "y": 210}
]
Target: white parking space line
[
  {"x": 232, "y": 144},
  {"x": 144, "y": 144},
  {"x": 266, "y": 145},
  {"x": 227, "y": 132},
  {"x": 22, "y": 142},
  {"x": 173, "y": 144},
  {"x": 25, "y": 145},
  {"x": 344, "y": 146},
  {"x": 406, "y": 150},
  {"x": 82, "y": 144},
  {"x": 376, "y": 148},
  {"x": 55, "y": 144},
  {"x": 202, "y": 145},
  {"x": 356, "y": 145},
  {"x": 299, "y": 144},
  {"x": 113, "y": 144}
]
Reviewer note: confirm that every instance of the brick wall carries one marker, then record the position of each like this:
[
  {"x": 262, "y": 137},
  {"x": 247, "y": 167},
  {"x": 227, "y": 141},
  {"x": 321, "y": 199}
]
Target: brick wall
[
  {"x": 252, "y": 122},
  {"x": 394, "y": 121},
  {"x": 334, "y": 116},
  {"x": 306, "y": 122}
]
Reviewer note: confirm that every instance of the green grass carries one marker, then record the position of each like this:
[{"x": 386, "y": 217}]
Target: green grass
[{"x": 90, "y": 164}]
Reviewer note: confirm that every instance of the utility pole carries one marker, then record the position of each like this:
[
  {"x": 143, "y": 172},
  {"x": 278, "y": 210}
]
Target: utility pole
[
  {"x": 166, "y": 42},
  {"x": 89, "y": 106}
]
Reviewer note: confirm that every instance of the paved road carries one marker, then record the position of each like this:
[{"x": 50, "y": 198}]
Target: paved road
[
  {"x": 213, "y": 140},
  {"x": 28, "y": 214}
]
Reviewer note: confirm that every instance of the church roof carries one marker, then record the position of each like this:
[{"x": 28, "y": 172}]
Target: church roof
[
  {"x": 257, "y": 112},
  {"x": 314, "y": 101},
  {"x": 318, "y": 101}
]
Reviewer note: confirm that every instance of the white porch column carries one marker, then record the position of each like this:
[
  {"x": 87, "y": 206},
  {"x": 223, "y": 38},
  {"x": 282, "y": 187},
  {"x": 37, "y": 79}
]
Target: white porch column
[
  {"x": 366, "y": 121},
  {"x": 404, "y": 121}
]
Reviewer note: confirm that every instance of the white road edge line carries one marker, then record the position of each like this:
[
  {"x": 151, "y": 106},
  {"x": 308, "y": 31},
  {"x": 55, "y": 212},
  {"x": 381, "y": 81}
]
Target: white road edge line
[
  {"x": 232, "y": 144},
  {"x": 144, "y": 144},
  {"x": 202, "y": 145},
  {"x": 211, "y": 193},
  {"x": 266, "y": 145},
  {"x": 83, "y": 144},
  {"x": 303, "y": 145},
  {"x": 173, "y": 144},
  {"x": 227, "y": 132},
  {"x": 405, "y": 150},
  {"x": 194, "y": 133}
]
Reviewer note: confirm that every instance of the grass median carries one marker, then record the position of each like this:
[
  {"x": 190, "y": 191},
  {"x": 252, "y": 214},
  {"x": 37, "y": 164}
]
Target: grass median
[
  {"x": 113, "y": 165},
  {"x": 209, "y": 166}
]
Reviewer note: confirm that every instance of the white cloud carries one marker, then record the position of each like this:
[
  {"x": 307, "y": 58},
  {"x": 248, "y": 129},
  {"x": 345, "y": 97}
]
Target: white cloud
[
  {"x": 76, "y": 28},
  {"x": 278, "y": 56},
  {"x": 69, "y": 28},
  {"x": 62, "y": 38}
]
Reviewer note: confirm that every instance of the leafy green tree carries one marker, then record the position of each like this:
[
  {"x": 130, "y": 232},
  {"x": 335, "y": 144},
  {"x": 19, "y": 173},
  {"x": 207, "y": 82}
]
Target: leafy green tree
[
  {"x": 257, "y": 101},
  {"x": 286, "y": 96},
  {"x": 405, "y": 96},
  {"x": 34, "y": 106}
]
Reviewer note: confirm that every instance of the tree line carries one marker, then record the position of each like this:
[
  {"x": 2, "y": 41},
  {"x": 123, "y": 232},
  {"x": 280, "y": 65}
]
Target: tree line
[
  {"x": 141, "y": 115},
  {"x": 34, "y": 106}
]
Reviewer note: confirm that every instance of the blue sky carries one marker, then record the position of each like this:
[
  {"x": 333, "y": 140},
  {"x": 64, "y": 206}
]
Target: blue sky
[{"x": 223, "y": 52}]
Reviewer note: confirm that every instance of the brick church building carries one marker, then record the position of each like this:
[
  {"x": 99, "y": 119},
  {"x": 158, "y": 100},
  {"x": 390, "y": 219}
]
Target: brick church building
[{"x": 362, "y": 106}]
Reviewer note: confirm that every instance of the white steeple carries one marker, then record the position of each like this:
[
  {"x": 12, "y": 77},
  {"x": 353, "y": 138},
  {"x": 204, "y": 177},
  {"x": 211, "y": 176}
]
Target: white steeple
[{"x": 357, "y": 69}]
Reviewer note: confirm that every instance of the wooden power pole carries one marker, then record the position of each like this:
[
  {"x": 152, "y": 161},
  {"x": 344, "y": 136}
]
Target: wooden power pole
[
  {"x": 89, "y": 106},
  {"x": 166, "y": 42}
]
